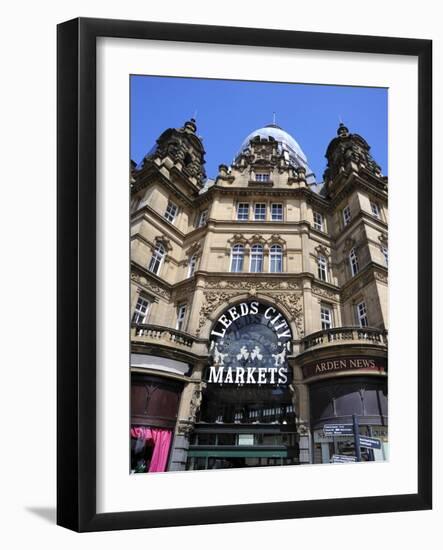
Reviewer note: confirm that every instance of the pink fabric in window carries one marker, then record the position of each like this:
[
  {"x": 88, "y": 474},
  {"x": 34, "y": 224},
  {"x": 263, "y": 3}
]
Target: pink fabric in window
[{"x": 161, "y": 440}]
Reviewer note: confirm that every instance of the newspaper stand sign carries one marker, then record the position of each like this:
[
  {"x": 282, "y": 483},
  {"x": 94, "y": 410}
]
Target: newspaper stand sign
[
  {"x": 370, "y": 442},
  {"x": 338, "y": 429}
]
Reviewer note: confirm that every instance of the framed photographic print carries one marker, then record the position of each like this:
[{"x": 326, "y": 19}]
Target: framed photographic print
[{"x": 232, "y": 344}]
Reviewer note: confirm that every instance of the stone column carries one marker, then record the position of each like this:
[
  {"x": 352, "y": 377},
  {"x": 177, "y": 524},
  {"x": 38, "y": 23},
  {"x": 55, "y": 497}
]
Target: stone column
[{"x": 189, "y": 405}]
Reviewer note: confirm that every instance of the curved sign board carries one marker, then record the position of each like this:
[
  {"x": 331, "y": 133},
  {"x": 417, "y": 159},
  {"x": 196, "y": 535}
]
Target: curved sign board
[{"x": 249, "y": 344}]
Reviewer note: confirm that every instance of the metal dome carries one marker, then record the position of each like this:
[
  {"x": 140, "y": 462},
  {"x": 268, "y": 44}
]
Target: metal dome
[
  {"x": 286, "y": 145},
  {"x": 286, "y": 141}
]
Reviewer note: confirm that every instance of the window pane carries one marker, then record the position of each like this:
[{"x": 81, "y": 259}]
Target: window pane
[
  {"x": 256, "y": 259},
  {"x": 277, "y": 212},
  {"x": 243, "y": 211},
  {"x": 260, "y": 212}
]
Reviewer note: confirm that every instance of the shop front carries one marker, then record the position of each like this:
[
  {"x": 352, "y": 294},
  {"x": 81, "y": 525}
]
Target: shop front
[
  {"x": 247, "y": 415},
  {"x": 341, "y": 389},
  {"x": 154, "y": 406}
]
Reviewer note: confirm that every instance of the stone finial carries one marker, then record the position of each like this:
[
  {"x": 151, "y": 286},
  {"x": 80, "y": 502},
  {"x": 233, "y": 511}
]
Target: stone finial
[
  {"x": 342, "y": 131},
  {"x": 190, "y": 126}
]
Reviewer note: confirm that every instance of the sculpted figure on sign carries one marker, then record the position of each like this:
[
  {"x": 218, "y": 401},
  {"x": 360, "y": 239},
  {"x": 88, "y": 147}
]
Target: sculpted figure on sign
[
  {"x": 217, "y": 355},
  {"x": 279, "y": 358},
  {"x": 255, "y": 354},
  {"x": 244, "y": 354}
]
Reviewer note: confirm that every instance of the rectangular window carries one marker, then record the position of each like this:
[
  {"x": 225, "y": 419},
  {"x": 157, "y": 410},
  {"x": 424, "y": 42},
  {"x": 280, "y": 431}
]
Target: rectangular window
[
  {"x": 243, "y": 211},
  {"x": 322, "y": 265},
  {"x": 141, "y": 310},
  {"x": 262, "y": 177},
  {"x": 325, "y": 317},
  {"x": 260, "y": 212},
  {"x": 276, "y": 212},
  {"x": 192, "y": 265},
  {"x": 319, "y": 221},
  {"x": 375, "y": 209},
  {"x": 362, "y": 314},
  {"x": 385, "y": 254},
  {"x": 237, "y": 256},
  {"x": 202, "y": 218},
  {"x": 353, "y": 262},
  {"x": 171, "y": 212},
  {"x": 346, "y": 215},
  {"x": 181, "y": 316}
]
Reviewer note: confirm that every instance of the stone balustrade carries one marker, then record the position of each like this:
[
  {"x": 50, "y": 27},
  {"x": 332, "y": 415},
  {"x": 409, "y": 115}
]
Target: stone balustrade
[
  {"x": 159, "y": 334},
  {"x": 344, "y": 335}
]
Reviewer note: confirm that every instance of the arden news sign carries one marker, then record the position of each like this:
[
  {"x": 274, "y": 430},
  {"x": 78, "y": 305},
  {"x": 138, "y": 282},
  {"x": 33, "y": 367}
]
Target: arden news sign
[
  {"x": 249, "y": 344},
  {"x": 328, "y": 366}
]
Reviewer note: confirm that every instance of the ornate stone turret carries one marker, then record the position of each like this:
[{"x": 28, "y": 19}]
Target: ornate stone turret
[
  {"x": 182, "y": 149},
  {"x": 349, "y": 152}
]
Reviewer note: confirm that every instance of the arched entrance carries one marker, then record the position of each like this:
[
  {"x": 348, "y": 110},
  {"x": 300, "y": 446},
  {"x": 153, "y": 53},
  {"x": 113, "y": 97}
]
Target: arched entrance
[{"x": 247, "y": 415}]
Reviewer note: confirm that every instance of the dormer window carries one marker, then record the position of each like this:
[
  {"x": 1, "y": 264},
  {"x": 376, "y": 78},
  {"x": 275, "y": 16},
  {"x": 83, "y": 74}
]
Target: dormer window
[
  {"x": 202, "y": 218},
  {"x": 346, "y": 215},
  {"x": 171, "y": 212},
  {"x": 262, "y": 177},
  {"x": 319, "y": 221},
  {"x": 375, "y": 209}
]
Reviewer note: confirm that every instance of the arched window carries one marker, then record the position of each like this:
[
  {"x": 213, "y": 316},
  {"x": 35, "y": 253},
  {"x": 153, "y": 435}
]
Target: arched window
[
  {"x": 192, "y": 265},
  {"x": 157, "y": 258},
  {"x": 322, "y": 265},
  {"x": 276, "y": 259},
  {"x": 256, "y": 258},
  {"x": 237, "y": 255}
]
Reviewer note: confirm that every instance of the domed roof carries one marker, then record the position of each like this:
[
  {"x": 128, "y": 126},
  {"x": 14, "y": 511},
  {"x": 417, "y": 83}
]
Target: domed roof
[
  {"x": 274, "y": 131},
  {"x": 286, "y": 145}
]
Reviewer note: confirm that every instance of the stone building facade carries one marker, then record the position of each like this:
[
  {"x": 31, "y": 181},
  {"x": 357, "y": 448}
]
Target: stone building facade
[{"x": 259, "y": 303}]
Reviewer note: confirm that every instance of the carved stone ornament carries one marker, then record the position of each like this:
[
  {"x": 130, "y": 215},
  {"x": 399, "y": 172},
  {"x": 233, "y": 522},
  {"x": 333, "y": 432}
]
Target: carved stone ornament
[
  {"x": 324, "y": 293},
  {"x": 293, "y": 304},
  {"x": 383, "y": 238},
  {"x": 322, "y": 250},
  {"x": 249, "y": 285},
  {"x": 196, "y": 399},
  {"x": 150, "y": 285},
  {"x": 194, "y": 249},
  {"x": 184, "y": 427},
  {"x": 238, "y": 238},
  {"x": 161, "y": 239},
  {"x": 381, "y": 277},
  {"x": 212, "y": 301}
]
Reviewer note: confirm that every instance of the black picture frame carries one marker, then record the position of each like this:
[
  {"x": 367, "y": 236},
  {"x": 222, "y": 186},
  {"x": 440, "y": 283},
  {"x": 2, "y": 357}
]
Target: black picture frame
[{"x": 76, "y": 295}]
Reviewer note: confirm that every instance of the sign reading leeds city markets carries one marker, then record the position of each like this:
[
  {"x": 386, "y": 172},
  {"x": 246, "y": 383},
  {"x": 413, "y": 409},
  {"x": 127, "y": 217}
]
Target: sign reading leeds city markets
[{"x": 249, "y": 344}]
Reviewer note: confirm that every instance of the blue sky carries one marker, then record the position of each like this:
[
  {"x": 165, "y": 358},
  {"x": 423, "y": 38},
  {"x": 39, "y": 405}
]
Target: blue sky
[{"x": 228, "y": 110}]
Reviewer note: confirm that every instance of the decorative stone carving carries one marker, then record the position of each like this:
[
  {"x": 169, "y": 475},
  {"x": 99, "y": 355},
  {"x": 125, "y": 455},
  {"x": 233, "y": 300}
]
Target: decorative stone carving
[
  {"x": 383, "y": 238},
  {"x": 324, "y": 293},
  {"x": 381, "y": 277},
  {"x": 249, "y": 285},
  {"x": 194, "y": 249},
  {"x": 293, "y": 304},
  {"x": 196, "y": 399},
  {"x": 212, "y": 301},
  {"x": 150, "y": 285},
  {"x": 184, "y": 427},
  {"x": 161, "y": 239},
  {"x": 322, "y": 250}
]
